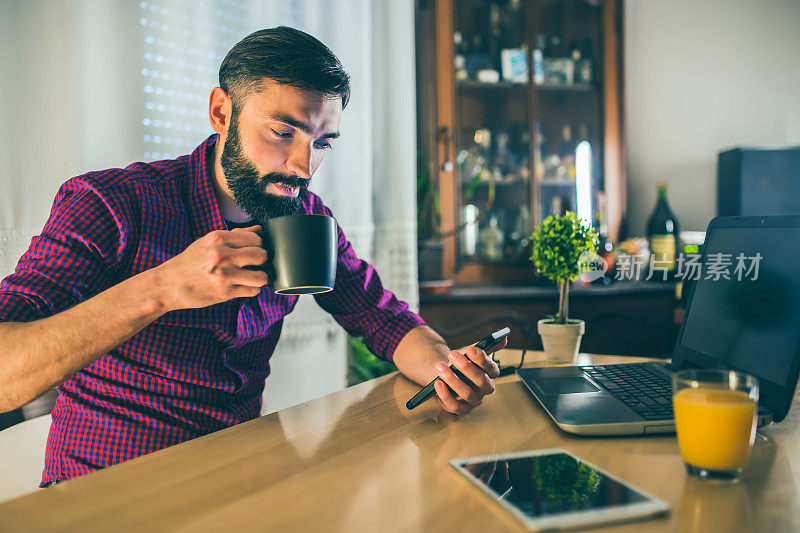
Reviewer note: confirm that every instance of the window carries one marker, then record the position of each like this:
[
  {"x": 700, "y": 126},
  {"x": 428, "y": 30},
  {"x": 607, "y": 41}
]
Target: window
[{"x": 184, "y": 44}]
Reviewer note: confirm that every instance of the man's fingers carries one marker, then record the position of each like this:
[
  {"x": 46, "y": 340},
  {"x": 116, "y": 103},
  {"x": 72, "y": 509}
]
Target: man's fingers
[
  {"x": 234, "y": 276},
  {"x": 481, "y": 359},
  {"x": 497, "y": 347},
  {"x": 449, "y": 402},
  {"x": 244, "y": 291},
  {"x": 472, "y": 371},
  {"x": 488, "y": 473},
  {"x": 504, "y": 469},
  {"x": 237, "y": 238},
  {"x": 248, "y": 256},
  {"x": 464, "y": 391},
  {"x": 255, "y": 227}
]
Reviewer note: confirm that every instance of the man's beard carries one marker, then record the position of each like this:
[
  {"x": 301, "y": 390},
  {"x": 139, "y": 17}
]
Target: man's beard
[{"x": 249, "y": 188}]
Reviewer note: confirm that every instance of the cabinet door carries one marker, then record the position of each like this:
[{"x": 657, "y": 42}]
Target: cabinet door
[
  {"x": 568, "y": 122},
  {"x": 523, "y": 127},
  {"x": 492, "y": 125}
]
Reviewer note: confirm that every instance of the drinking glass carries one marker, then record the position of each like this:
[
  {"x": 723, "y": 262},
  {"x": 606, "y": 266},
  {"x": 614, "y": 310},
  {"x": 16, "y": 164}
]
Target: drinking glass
[{"x": 715, "y": 418}]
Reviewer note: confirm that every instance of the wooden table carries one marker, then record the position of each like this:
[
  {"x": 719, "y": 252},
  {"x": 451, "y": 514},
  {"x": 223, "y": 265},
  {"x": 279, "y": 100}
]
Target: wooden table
[{"x": 357, "y": 460}]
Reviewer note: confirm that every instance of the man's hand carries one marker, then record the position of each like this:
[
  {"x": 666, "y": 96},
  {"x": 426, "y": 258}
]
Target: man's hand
[
  {"x": 421, "y": 356},
  {"x": 479, "y": 369},
  {"x": 212, "y": 270},
  {"x": 39, "y": 355}
]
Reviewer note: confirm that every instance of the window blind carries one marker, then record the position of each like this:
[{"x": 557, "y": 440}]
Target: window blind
[{"x": 184, "y": 42}]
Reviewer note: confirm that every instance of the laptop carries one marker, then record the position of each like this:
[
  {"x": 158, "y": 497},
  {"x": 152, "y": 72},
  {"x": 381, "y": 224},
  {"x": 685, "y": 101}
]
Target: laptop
[{"x": 749, "y": 322}]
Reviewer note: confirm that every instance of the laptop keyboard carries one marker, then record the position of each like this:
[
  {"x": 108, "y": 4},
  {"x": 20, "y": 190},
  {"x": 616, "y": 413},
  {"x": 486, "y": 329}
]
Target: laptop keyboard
[{"x": 640, "y": 386}]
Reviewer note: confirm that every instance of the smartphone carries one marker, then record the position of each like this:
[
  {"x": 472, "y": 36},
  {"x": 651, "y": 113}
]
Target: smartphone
[{"x": 484, "y": 344}]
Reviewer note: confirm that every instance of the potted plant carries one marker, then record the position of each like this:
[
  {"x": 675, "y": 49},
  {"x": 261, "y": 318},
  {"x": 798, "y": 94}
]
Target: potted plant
[
  {"x": 557, "y": 245},
  {"x": 429, "y": 241},
  {"x": 364, "y": 365}
]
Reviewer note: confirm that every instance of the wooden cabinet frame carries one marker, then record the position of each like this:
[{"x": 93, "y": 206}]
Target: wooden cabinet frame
[{"x": 436, "y": 77}]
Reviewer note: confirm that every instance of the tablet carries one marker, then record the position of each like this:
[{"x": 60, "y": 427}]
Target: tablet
[{"x": 553, "y": 489}]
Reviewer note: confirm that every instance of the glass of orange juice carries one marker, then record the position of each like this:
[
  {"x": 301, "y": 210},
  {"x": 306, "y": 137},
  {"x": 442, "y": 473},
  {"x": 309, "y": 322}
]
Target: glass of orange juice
[{"x": 715, "y": 418}]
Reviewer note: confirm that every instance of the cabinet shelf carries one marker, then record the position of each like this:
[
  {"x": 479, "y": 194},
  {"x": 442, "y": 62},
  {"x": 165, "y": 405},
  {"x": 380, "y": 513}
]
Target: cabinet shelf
[
  {"x": 574, "y": 88},
  {"x": 483, "y": 86},
  {"x": 557, "y": 181},
  {"x": 469, "y": 86},
  {"x": 508, "y": 183},
  {"x": 506, "y": 263}
]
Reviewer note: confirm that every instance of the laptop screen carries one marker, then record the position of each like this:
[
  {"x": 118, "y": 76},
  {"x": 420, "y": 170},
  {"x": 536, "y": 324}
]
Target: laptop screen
[{"x": 750, "y": 321}]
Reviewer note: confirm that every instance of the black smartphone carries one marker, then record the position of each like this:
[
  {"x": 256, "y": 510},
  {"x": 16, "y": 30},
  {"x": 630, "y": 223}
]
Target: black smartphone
[{"x": 484, "y": 344}]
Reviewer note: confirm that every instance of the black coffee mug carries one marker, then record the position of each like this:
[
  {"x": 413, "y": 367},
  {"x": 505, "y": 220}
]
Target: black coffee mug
[{"x": 302, "y": 253}]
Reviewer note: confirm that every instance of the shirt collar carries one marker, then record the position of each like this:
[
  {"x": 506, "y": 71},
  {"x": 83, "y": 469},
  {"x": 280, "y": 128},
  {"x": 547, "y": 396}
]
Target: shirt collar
[{"x": 205, "y": 213}]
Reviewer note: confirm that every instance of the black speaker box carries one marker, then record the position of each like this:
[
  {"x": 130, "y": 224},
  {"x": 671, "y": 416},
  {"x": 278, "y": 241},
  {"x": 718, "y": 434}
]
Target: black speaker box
[{"x": 758, "y": 182}]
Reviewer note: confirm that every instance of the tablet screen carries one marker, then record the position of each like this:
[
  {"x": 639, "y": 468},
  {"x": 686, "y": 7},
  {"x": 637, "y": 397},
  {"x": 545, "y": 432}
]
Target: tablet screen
[{"x": 552, "y": 484}]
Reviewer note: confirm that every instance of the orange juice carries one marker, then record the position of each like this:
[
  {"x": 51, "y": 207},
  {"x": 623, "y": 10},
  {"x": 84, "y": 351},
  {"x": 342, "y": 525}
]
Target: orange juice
[{"x": 715, "y": 428}]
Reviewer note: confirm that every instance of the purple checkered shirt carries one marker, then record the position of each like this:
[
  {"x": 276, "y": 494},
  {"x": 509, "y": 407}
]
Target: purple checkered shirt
[{"x": 192, "y": 371}]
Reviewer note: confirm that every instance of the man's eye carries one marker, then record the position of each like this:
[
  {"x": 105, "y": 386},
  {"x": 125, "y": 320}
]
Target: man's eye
[
  {"x": 322, "y": 145},
  {"x": 283, "y": 134}
]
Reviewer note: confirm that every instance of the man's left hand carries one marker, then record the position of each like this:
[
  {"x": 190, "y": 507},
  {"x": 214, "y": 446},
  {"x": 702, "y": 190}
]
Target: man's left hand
[{"x": 479, "y": 369}]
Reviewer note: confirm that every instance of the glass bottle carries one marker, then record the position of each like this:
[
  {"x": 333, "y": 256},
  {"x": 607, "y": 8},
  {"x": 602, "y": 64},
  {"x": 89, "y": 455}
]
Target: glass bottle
[
  {"x": 538, "y": 59},
  {"x": 490, "y": 241},
  {"x": 461, "y": 57},
  {"x": 662, "y": 232},
  {"x": 605, "y": 248},
  {"x": 566, "y": 153}
]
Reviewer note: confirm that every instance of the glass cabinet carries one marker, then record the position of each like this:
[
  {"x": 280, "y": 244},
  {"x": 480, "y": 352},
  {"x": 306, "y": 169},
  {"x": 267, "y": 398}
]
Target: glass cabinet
[{"x": 519, "y": 118}]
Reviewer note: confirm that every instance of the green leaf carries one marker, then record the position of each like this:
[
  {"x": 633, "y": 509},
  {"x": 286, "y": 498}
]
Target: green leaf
[
  {"x": 366, "y": 365},
  {"x": 557, "y": 244}
]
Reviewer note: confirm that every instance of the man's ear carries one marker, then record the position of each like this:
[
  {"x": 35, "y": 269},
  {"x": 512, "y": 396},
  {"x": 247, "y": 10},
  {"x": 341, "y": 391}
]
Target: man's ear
[{"x": 219, "y": 111}]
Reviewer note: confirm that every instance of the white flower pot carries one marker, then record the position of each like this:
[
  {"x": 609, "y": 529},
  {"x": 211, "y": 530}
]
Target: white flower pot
[{"x": 561, "y": 341}]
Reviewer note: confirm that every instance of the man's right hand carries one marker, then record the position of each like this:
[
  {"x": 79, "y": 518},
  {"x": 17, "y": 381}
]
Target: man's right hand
[
  {"x": 39, "y": 355},
  {"x": 212, "y": 270}
]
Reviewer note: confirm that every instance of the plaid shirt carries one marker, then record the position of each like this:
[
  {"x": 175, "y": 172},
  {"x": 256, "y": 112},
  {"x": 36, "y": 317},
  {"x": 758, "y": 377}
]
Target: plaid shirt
[{"x": 192, "y": 371}]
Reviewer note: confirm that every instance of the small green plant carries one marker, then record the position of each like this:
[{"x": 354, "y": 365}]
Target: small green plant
[
  {"x": 429, "y": 209},
  {"x": 557, "y": 244},
  {"x": 566, "y": 484},
  {"x": 365, "y": 365}
]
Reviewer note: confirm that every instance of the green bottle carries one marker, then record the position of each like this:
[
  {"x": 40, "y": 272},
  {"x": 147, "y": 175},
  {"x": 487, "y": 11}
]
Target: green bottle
[{"x": 662, "y": 232}]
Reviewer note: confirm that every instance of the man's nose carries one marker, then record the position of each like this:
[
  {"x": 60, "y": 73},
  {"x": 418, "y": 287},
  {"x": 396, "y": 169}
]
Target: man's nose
[{"x": 299, "y": 162}]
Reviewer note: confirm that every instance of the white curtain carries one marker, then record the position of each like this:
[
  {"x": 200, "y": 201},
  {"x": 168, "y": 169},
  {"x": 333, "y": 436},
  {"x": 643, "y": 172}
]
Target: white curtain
[{"x": 93, "y": 84}]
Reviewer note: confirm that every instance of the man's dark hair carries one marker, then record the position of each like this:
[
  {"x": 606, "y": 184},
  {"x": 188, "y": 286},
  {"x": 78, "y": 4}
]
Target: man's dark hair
[{"x": 286, "y": 55}]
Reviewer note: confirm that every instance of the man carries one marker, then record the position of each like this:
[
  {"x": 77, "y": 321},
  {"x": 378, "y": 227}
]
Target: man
[{"x": 139, "y": 300}]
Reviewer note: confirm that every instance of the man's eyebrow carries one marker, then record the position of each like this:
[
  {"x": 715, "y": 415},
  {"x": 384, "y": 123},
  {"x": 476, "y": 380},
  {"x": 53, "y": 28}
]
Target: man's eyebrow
[{"x": 302, "y": 126}]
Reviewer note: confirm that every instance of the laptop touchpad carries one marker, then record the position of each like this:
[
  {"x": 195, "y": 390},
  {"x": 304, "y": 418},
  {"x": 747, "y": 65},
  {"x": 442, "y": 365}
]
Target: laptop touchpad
[{"x": 565, "y": 385}]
